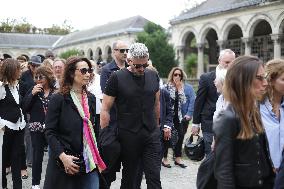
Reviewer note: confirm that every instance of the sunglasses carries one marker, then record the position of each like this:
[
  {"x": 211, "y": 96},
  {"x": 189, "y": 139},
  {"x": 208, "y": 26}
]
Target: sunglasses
[
  {"x": 260, "y": 77},
  {"x": 137, "y": 66},
  {"x": 39, "y": 77},
  {"x": 35, "y": 65},
  {"x": 176, "y": 74},
  {"x": 85, "y": 70},
  {"x": 122, "y": 50}
]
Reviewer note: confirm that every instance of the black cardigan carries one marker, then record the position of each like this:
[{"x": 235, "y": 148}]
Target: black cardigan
[{"x": 64, "y": 125}]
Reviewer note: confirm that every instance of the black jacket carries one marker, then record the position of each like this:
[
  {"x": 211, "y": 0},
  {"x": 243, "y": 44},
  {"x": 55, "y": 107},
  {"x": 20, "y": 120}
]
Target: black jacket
[
  {"x": 64, "y": 125},
  {"x": 205, "y": 102},
  {"x": 239, "y": 163},
  {"x": 33, "y": 105}
]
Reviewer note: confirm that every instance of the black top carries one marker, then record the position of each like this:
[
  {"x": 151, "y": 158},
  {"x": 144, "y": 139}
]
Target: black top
[{"x": 135, "y": 104}]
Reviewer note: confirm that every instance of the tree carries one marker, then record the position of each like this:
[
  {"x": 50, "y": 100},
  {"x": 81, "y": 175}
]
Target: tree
[
  {"x": 190, "y": 65},
  {"x": 69, "y": 53},
  {"x": 161, "y": 52}
]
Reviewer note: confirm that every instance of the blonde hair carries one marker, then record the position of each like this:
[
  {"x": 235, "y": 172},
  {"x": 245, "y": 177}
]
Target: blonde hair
[
  {"x": 170, "y": 76},
  {"x": 273, "y": 70}
]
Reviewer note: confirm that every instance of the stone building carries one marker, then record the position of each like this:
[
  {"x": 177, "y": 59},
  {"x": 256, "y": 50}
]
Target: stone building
[
  {"x": 250, "y": 27},
  {"x": 95, "y": 43}
]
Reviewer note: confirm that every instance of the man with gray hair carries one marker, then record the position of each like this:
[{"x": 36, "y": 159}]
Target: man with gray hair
[
  {"x": 206, "y": 98},
  {"x": 135, "y": 92}
]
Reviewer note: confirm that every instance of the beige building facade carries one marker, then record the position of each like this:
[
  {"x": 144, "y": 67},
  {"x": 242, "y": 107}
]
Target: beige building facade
[{"x": 247, "y": 27}]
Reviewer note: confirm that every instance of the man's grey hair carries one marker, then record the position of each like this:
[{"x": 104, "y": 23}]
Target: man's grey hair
[
  {"x": 138, "y": 51},
  {"x": 226, "y": 51}
]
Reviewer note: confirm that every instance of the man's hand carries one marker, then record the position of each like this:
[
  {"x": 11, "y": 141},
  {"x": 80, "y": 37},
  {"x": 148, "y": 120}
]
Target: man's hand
[
  {"x": 167, "y": 133},
  {"x": 195, "y": 130}
]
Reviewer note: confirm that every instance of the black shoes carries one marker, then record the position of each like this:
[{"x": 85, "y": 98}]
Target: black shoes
[
  {"x": 166, "y": 165},
  {"x": 180, "y": 164}
]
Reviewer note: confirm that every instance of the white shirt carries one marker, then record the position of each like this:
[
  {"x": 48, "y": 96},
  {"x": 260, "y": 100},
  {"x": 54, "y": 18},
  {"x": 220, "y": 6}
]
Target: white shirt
[
  {"x": 95, "y": 89},
  {"x": 21, "y": 122},
  {"x": 221, "y": 104}
]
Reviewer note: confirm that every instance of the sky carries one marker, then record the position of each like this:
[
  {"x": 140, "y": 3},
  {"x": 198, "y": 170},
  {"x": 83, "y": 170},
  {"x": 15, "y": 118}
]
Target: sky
[{"x": 85, "y": 14}]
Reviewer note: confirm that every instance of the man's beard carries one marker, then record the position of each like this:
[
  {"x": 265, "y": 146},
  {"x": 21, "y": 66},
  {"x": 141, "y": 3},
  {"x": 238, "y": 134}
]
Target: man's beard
[{"x": 138, "y": 74}]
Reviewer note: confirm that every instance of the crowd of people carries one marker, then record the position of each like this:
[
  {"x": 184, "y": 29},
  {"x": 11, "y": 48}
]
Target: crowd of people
[{"x": 96, "y": 119}]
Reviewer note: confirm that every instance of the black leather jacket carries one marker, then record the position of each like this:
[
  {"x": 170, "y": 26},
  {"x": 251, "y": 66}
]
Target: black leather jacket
[{"x": 239, "y": 163}]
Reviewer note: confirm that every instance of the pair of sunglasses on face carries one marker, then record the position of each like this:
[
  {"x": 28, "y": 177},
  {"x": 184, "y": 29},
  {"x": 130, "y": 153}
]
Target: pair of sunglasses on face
[
  {"x": 85, "y": 70},
  {"x": 122, "y": 50},
  {"x": 137, "y": 66},
  {"x": 39, "y": 77}
]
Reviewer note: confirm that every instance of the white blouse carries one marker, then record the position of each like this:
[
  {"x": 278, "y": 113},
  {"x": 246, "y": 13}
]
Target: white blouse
[{"x": 21, "y": 122}]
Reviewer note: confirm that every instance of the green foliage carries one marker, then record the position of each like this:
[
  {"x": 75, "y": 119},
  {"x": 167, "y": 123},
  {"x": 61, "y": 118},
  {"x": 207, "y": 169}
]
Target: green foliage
[
  {"x": 9, "y": 25},
  {"x": 69, "y": 53},
  {"x": 161, "y": 52},
  {"x": 191, "y": 65}
]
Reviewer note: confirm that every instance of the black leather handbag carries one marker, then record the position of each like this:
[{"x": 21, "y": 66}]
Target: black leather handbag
[{"x": 194, "y": 150}]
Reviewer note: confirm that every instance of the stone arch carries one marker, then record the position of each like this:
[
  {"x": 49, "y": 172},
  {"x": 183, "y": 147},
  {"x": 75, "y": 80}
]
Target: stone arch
[
  {"x": 280, "y": 23},
  {"x": 189, "y": 55},
  {"x": 108, "y": 53},
  {"x": 184, "y": 34},
  {"x": 204, "y": 31},
  {"x": 226, "y": 28},
  {"x": 7, "y": 53},
  {"x": 209, "y": 36},
  {"x": 90, "y": 54},
  {"x": 254, "y": 21},
  {"x": 98, "y": 55},
  {"x": 232, "y": 37},
  {"x": 262, "y": 45},
  {"x": 27, "y": 56}
]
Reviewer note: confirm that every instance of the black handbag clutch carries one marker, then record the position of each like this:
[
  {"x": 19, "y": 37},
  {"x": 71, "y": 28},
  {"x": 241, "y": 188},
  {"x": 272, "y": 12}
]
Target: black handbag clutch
[{"x": 80, "y": 162}]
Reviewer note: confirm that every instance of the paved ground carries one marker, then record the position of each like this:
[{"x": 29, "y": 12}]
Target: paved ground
[{"x": 173, "y": 178}]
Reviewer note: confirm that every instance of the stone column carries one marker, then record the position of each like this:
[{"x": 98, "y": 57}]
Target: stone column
[
  {"x": 277, "y": 47},
  {"x": 200, "y": 62},
  {"x": 221, "y": 44},
  {"x": 180, "y": 56},
  {"x": 247, "y": 42}
]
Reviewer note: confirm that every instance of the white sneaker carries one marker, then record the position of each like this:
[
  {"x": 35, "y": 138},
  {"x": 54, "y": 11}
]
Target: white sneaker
[{"x": 35, "y": 187}]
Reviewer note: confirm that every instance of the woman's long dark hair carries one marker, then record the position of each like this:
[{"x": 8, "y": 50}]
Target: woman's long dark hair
[
  {"x": 238, "y": 91},
  {"x": 69, "y": 73}
]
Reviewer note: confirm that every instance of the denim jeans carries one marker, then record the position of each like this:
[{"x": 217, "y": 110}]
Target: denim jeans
[{"x": 90, "y": 181}]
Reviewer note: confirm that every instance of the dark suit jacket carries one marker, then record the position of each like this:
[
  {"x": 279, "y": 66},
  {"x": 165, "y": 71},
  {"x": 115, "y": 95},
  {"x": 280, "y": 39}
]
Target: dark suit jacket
[
  {"x": 64, "y": 125},
  {"x": 279, "y": 181},
  {"x": 205, "y": 102},
  {"x": 166, "y": 112}
]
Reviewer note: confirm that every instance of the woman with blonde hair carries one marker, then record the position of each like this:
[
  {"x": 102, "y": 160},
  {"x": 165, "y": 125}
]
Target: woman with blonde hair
[
  {"x": 241, "y": 152},
  {"x": 183, "y": 96},
  {"x": 272, "y": 110}
]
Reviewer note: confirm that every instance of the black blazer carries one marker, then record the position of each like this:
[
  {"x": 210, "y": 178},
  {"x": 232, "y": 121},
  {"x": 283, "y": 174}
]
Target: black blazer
[
  {"x": 239, "y": 163},
  {"x": 33, "y": 105},
  {"x": 205, "y": 102},
  {"x": 64, "y": 125}
]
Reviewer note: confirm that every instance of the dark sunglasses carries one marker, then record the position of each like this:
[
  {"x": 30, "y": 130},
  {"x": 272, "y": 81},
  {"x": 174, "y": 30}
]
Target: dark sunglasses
[
  {"x": 260, "y": 77},
  {"x": 85, "y": 70},
  {"x": 122, "y": 50},
  {"x": 176, "y": 74},
  {"x": 137, "y": 66},
  {"x": 39, "y": 77},
  {"x": 35, "y": 65}
]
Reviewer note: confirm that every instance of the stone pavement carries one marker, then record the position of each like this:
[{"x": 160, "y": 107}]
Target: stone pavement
[{"x": 171, "y": 178}]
